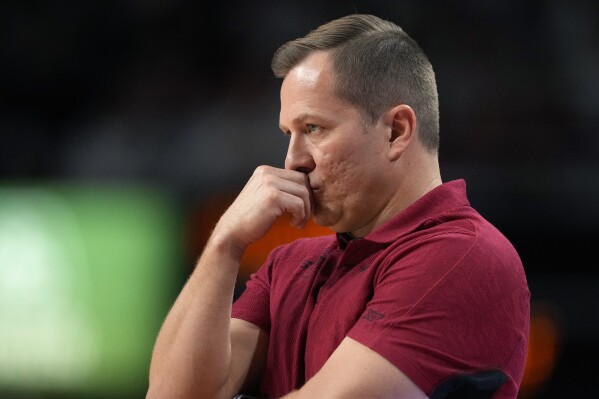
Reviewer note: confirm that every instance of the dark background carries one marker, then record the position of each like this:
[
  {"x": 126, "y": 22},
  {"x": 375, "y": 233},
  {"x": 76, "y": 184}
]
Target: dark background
[{"x": 179, "y": 95}]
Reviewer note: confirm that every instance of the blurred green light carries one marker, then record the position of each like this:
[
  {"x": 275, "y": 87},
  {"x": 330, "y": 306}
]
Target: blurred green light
[{"x": 86, "y": 276}]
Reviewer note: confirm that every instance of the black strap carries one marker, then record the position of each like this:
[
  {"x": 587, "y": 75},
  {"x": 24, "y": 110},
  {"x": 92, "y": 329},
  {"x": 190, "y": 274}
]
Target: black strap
[{"x": 479, "y": 385}]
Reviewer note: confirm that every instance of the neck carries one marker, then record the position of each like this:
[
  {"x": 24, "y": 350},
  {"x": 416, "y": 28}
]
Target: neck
[
  {"x": 413, "y": 179},
  {"x": 419, "y": 175}
]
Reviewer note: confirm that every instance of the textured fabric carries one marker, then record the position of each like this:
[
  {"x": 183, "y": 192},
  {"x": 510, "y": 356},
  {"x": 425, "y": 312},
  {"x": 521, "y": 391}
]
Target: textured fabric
[{"x": 436, "y": 290}]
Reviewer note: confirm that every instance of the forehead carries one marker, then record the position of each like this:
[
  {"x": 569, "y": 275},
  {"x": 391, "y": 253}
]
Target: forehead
[
  {"x": 308, "y": 90},
  {"x": 307, "y": 73},
  {"x": 311, "y": 68}
]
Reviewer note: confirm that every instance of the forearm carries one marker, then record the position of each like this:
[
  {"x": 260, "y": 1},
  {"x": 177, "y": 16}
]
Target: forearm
[{"x": 192, "y": 355}]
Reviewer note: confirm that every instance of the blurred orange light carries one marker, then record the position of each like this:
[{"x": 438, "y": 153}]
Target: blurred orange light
[
  {"x": 281, "y": 233},
  {"x": 542, "y": 349}
]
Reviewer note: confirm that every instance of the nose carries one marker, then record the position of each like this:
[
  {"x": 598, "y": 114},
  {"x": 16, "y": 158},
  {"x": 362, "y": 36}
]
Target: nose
[{"x": 299, "y": 156}]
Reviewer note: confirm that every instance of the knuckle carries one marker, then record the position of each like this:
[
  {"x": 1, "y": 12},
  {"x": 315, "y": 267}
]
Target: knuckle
[
  {"x": 272, "y": 195},
  {"x": 261, "y": 170}
]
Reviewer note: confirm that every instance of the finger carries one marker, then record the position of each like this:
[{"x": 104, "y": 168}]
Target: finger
[
  {"x": 295, "y": 206},
  {"x": 288, "y": 181},
  {"x": 302, "y": 191},
  {"x": 291, "y": 175}
]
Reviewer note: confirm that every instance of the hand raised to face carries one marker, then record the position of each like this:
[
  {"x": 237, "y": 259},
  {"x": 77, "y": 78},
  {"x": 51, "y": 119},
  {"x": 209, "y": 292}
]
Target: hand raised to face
[{"x": 267, "y": 195}]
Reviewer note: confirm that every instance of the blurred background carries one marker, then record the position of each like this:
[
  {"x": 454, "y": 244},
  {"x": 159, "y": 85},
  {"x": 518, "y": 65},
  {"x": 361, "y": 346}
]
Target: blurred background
[{"x": 127, "y": 127}]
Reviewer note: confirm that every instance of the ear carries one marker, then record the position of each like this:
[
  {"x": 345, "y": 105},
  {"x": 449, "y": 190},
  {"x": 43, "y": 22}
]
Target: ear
[{"x": 401, "y": 121}]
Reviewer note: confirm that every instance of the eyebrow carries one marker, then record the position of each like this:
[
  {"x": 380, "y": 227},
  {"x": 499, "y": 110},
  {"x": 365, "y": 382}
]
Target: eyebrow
[{"x": 298, "y": 120}]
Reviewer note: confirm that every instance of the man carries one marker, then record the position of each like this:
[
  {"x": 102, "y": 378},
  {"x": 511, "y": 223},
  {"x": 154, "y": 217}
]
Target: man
[{"x": 415, "y": 296}]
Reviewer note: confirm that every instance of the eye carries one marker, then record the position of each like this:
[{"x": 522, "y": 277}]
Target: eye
[{"x": 311, "y": 128}]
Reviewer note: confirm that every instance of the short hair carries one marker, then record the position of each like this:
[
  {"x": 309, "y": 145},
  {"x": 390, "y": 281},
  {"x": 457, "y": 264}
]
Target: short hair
[{"x": 377, "y": 65}]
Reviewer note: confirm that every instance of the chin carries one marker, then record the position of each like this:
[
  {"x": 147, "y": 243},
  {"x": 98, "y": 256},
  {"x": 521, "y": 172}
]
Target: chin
[
  {"x": 327, "y": 219},
  {"x": 323, "y": 218}
]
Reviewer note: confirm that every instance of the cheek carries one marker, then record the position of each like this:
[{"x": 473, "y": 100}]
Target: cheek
[{"x": 340, "y": 174}]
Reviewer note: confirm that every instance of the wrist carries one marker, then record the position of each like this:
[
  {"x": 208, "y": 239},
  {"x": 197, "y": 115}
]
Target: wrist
[{"x": 226, "y": 244}]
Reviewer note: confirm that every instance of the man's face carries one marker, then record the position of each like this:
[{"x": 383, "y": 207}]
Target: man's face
[{"x": 344, "y": 157}]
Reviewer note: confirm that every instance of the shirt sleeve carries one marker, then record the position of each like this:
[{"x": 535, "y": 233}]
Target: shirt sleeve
[
  {"x": 253, "y": 305},
  {"x": 442, "y": 309}
]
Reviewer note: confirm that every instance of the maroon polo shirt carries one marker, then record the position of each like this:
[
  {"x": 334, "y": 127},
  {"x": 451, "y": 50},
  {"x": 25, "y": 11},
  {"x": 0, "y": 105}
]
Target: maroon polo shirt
[{"x": 436, "y": 290}]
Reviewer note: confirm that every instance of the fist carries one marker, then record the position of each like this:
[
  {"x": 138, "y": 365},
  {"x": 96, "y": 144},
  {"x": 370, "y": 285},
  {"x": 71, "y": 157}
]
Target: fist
[{"x": 268, "y": 194}]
